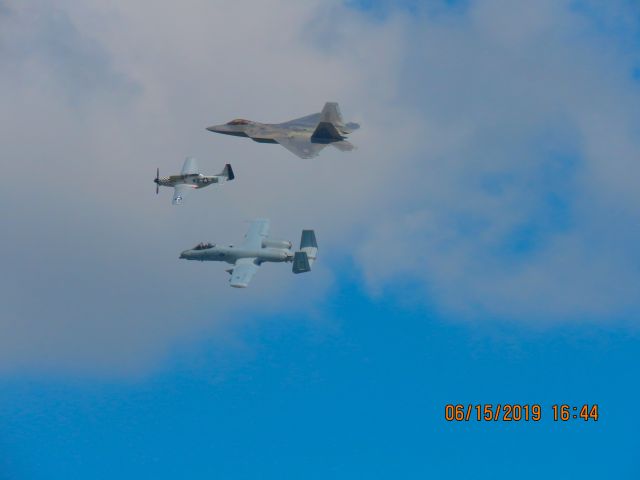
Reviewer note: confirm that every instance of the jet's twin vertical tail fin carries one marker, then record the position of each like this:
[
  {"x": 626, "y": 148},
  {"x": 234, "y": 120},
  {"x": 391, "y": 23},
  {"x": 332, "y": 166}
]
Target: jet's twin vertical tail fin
[
  {"x": 331, "y": 113},
  {"x": 328, "y": 127}
]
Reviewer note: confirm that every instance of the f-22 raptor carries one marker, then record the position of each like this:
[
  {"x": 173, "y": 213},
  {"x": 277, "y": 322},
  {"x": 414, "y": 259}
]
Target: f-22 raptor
[
  {"x": 257, "y": 249},
  {"x": 305, "y": 136},
  {"x": 191, "y": 179}
]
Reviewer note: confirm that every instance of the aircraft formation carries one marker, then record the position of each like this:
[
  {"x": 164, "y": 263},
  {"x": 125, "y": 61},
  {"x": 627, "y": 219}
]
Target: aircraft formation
[{"x": 304, "y": 137}]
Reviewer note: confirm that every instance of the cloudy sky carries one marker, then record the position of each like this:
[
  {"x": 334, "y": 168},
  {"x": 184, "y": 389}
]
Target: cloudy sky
[{"x": 480, "y": 245}]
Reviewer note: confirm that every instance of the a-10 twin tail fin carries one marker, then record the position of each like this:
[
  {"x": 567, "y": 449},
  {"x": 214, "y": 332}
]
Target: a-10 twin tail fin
[{"x": 304, "y": 258}]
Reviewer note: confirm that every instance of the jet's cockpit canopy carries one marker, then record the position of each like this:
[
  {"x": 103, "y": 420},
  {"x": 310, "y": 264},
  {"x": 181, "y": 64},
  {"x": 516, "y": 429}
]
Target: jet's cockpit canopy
[
  {"x": 204, "y": 246},
  {"x": 239, "y": 121}
]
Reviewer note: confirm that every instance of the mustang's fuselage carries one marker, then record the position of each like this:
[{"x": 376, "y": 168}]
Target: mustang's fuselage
[{"x": 197, "y": 180}]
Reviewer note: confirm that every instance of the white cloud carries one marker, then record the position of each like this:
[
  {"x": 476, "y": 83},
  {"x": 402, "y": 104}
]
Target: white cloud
[
  {"x": 530, "y": 137},
  {"x": 496, "y": 158},
  {"x": 98, "y": 97}
]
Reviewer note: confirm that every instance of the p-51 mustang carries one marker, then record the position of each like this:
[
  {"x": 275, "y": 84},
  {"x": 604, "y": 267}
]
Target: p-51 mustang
[
  {"x": 304, "y": 136},
  {"x": 256, "y": 249},
  {"x": 190, "y": 179}
]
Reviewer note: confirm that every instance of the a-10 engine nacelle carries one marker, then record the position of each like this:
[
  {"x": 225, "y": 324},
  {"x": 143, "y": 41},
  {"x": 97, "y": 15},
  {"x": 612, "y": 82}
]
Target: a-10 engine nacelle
[{"x": 273, "y": 243}]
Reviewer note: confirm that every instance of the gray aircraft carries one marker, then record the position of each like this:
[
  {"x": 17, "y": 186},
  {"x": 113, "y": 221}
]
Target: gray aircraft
[
  {"x": 256, "y": 249},
  {"x": 304, "y": 136},
  {"x": 190, "y": 179}
]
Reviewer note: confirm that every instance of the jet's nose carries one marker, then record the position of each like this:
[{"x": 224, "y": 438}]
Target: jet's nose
[
  {"x": 218, "y": 128},
  {"x": 186, "y": 254}
]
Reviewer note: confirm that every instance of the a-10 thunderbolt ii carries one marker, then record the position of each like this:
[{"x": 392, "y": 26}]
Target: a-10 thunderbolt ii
[
  {"x": 257, "y": 249},
  {"x": 191, "y": 179},
  {"x": 304, "y": 136}
]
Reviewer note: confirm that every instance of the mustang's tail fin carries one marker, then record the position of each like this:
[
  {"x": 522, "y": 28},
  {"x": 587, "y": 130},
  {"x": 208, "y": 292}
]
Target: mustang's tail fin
[
  {"x": 330, "y": 125},
  {"x": 303, "y": 260},
  {"x": 227, "y": 173}
]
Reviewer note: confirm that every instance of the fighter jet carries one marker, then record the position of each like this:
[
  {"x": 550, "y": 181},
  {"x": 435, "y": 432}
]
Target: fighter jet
[
  {"x": 190, "y": 179},
  {"x": 304, "y": 136},
  {"x": 256, "y": 249}
]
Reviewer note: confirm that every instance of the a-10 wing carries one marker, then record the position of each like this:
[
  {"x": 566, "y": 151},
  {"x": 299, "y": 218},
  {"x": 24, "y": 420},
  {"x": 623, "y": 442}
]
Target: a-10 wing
[
  {"x": 245, "y": 268},
  {"x": 243, "y": 272},
  {"x": 258, "y": 231}
]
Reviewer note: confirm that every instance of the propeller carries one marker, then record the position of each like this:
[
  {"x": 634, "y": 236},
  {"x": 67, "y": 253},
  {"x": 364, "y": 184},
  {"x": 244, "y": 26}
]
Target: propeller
[{"x": 157, "y": 180}]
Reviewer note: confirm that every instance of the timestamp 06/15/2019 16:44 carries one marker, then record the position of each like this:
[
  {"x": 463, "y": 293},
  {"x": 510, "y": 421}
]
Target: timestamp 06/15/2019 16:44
[{"x": 516, "y": 412}]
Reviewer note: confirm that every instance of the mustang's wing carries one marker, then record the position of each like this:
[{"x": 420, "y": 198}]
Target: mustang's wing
[
  {"x": 243, "y": 272},
  {"x": 308, "y": 121},
  {"x": 300, "y": 146},
  {"x": 180, "y": 191},
  {"x": 190, "y": 166},
  {"x": 258, "y": 231}
]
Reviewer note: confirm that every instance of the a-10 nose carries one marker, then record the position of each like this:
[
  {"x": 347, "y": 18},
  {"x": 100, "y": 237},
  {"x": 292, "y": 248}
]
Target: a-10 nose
[{"x": 185, "y": 254}]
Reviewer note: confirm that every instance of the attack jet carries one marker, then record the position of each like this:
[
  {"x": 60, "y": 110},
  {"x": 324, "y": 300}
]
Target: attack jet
[
  {"x": 304, "y": 136},
  {"x": 256, "y": 249},
  {"x": 190, "y": 179}
]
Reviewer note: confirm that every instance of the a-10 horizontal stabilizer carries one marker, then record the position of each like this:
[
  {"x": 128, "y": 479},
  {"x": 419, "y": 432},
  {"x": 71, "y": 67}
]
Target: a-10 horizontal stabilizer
[{"x": 301, "y": 262}]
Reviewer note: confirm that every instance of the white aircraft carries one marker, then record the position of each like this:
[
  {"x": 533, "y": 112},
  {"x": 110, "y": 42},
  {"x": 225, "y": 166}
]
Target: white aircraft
[
  {"x": 304, "y": 137},
  {"x": 256, "y": 249},
  {"x": 190, "y": 179}
]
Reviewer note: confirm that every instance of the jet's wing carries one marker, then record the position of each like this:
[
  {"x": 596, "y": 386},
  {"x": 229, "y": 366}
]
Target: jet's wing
[
  {"x": 190, "y": 166},
  {"x": 180, "y": 191},
  {"x": 308, "y": 121},
  {"x": 300, "y": 146},
  {"x": 243, "y": 272},
  {"x": 258, "y": 231}
]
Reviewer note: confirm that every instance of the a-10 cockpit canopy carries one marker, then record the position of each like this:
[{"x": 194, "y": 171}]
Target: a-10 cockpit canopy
[
  {"x": 239, "y": 121},
  {"x": 204, "y": 246}
]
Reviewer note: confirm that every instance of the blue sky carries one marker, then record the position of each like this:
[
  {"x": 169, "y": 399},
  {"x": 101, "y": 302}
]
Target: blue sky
[
  {"x": 480, "y": 246},
  {"x": 364, "y": 398}
]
